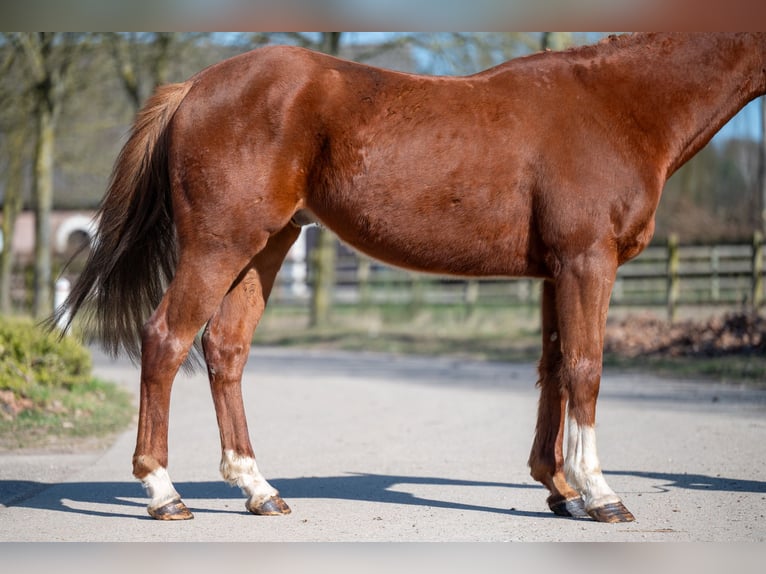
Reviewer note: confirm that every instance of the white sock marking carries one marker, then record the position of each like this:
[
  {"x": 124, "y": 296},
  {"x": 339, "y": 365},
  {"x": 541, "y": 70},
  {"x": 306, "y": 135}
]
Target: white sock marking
[
  {"x": 582, "y": 467},
  {"x": 243, "y": 472},
  {"x": 159, "y": 487}
]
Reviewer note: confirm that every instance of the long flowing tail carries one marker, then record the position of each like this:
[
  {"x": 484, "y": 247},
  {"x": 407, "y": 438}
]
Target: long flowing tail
[{"x": 134, "y": 253}]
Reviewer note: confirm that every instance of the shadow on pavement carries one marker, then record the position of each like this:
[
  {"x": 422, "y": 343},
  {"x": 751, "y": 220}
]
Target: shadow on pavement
[
  {"x": 695, "y": 481},
  {"x": 70, "y": 496},
  {"x": 67, "y": 497}
]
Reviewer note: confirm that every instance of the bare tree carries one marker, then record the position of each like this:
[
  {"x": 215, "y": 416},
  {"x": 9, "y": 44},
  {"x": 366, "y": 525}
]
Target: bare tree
[
  {"x": 143, "y": 60},
  {"x": 46, "y": 58},
  {"x": 762, "y": 166},
  {"x": 555, "y": 40},
  {"x": 12, "y": 202},
  {"x": 466, "y": 53},
  {"x": 13, "y": 131}
]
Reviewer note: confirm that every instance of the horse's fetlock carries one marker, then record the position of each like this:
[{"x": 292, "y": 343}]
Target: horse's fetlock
[{"x": 143, "y": 465}]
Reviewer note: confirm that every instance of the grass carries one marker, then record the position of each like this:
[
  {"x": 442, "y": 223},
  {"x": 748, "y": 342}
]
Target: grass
[
  {"x": 85, "y": 416},
  {"x": 736, "y": 369},
  {"x": 494, "y": 334},
  {"x": 487, "y": 334},
  {"x": 48, "y": 396}
]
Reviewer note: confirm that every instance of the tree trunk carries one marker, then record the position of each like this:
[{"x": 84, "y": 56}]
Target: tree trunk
[
  {"x": 161, "y": 61},
  {"x": 11, "y": 207},
  {"x": 43, "y": 202},
  {"x": 48, "y": 57},
  {"x": 323, "y": 261},
  {"x": 125, "y": 68},
  {"x": 762, "y": 166},
  {"x": 127, "y": 62},
  {"x": 545, "y": 40}
]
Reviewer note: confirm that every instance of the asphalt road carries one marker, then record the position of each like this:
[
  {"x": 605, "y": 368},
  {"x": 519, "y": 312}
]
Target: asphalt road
[{"x": 370, "y": 447}]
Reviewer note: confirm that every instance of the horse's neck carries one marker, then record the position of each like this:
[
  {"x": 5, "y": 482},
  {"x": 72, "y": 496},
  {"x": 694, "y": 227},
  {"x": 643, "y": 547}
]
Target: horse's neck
[{"x": 688, "y": 87}]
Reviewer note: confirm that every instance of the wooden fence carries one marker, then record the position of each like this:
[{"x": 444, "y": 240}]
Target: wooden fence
[
  {"x": 675, "y": 275},
  {"x": 668, "y": 276}
]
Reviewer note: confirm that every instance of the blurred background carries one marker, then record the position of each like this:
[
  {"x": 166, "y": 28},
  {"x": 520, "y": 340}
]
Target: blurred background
[{"x": 67, "y": 101}]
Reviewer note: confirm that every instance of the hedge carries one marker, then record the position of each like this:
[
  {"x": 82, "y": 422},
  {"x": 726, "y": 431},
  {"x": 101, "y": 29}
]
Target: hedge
[{"x": 32, "y": 357}]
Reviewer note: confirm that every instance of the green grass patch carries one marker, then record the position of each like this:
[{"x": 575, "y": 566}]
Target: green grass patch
[{"x": 87, "y": 415}]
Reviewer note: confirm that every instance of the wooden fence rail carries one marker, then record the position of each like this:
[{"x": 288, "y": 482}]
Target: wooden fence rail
[{"x": 671, "y": 275}]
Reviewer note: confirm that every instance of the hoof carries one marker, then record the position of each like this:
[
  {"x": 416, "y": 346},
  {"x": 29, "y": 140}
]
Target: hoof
[
  {"x": 273, "y": 506},
  {"x": 613, "y": 512},
  {"x": 173, "y": 510},
  {"x": 573, "y": 508}
]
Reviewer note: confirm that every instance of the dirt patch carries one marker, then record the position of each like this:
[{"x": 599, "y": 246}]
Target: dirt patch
[
  {"x": 724, "y": 335},
  {"x": 11, "y": 405}
]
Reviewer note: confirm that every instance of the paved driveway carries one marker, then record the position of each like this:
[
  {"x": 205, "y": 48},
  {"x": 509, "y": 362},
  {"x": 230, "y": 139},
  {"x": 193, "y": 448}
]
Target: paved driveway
[{"x": 370, "y": 447}]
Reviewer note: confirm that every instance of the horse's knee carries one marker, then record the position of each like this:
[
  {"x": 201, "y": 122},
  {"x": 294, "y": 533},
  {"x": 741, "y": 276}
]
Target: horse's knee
[
  {"x": 578, "y": 370},
  {"x": 581, "y": 378}
]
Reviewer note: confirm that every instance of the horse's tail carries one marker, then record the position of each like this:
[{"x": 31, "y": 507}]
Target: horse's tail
[{"x": 134, "y": 253}]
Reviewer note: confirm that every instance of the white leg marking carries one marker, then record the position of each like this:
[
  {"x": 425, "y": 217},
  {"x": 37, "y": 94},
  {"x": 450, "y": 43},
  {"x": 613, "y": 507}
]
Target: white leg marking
[
  {"x": 159, "y": 487},
  {"x": 242, "y": 471},
  {"x": 582, "y": 468}
]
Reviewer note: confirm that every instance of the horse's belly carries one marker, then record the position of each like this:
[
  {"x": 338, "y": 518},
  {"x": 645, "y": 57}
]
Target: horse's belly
[
  {"x": 436, "y": 241},
  {"x": 435, "y": 205}
]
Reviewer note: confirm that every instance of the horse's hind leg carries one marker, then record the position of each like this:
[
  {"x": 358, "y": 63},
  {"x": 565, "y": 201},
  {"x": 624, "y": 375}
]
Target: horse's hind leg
[
  {"x": 226, "y": 344},
  {"x": 201, "y": 282},
  {"x": 546, "y": 460}
]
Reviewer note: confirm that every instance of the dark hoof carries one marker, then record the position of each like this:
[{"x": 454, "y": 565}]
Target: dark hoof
[
  {"x": 273, "y": 506},
  {"x": 173, "y": 510},
  {"x": 573, "y": 508},
  {"x": 614, "y": 512}
]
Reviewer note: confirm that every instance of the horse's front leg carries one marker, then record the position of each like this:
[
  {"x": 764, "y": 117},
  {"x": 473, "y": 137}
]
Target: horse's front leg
[
  {"x": 583, "y": 289},
  {"x": 226, "y": 344},
  {"x": 546, "y": 461}
]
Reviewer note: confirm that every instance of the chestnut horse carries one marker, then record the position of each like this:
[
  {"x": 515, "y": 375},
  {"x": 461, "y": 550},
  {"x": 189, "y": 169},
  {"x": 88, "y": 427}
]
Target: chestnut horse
[{"x": 548, "y": 166}]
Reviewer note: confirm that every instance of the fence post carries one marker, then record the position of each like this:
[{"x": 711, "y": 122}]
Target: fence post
[
  {"x": 60, "y": 295},
  {"x": 715, "y": 281},
  {"x": 417, "y": 293},
  {"x": 363, "y": 280},
  {"x": 673, "y": 279},
  {"x": 296, "y": 267},
  {"x": 757, "y": 266},
  {"x": 471, "y": 296}
]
